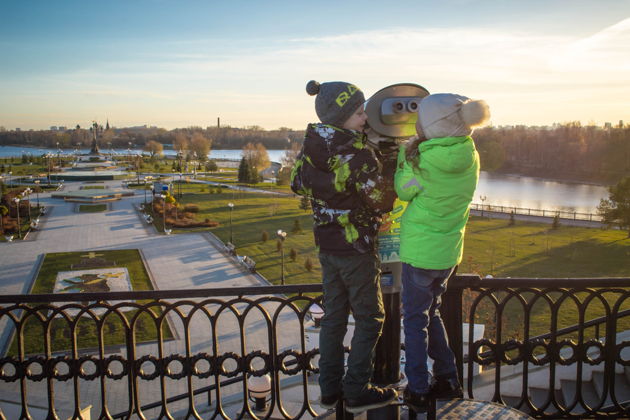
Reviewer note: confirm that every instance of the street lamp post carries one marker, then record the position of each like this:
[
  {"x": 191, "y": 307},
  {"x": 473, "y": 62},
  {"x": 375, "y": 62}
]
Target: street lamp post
[
  {"x": 282, "y": 236},
  {"x": 37, "y": 181},
  {"x": 28, "y": 192},
  {"x": 10, "y": 180},
  {"x": 164, "y": 212},
  {"x": 48, "y": 157},
  {"x": 179, "y": 188},
  {"x": 483, "y": 199},
  {"x": 17, "y": 205},
  {"x": 231, "y": 206}
]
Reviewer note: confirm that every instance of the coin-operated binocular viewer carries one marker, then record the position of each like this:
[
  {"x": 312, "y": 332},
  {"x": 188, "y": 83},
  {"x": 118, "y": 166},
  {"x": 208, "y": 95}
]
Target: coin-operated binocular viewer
[{"x": 392, "y": 116}]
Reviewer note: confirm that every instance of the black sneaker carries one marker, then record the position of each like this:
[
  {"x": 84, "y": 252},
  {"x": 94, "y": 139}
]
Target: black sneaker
[
  {"x": 446, "y": 388},
  {"x": 372, "y": 397},
  {"x": 416, "y": 401},
  {"x": 329, "y": 401}
]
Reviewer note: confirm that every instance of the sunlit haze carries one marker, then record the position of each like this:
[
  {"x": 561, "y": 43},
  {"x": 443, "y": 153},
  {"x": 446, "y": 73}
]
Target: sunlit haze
[{"x": 178, "y": 64}]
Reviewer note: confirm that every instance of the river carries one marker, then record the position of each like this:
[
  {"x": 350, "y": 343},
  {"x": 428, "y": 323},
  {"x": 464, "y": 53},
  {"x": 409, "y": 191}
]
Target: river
[{"x": 493, "y": 189}]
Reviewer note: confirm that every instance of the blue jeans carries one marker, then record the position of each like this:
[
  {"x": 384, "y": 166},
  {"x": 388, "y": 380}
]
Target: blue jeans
[{"x": 425, "y": 335}]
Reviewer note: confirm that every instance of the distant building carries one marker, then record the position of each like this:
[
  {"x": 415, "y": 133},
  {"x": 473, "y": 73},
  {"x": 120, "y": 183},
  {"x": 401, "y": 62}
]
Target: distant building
[
  {"x": 53, "y": 128},
  {"x": 271, "y": 171},
  {"x": 18, "y": 129},
  {"x": 62, "y": 128},
  {"x": 607, "y": 126}
]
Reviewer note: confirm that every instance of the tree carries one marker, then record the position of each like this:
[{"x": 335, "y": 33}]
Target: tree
[
  {"x": 288, "y": 161},
  {"x": 201, "y": 146},
  {"x": 290, "y": 155},
  {"x": 616, "y": 208},
  {"x": 246, "y": 172},
  {"x": 257, "y": 155},
  {"x": 555, "y": 224},
  {"x": 308, "y": 264},
  {"x": 181, "y": 144},
  {"x": 3, "y": 212},
  {"x": 211, "y": 166},
  {"x": 154, "y": 148},
  {"x": 243, "y": 170},
  {"x": 305, "y": 203}
]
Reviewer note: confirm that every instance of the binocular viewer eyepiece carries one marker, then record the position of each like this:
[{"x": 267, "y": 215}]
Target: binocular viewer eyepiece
[
  {"x": 393, "y": 110},
  {"x": 398, "y": 105}
]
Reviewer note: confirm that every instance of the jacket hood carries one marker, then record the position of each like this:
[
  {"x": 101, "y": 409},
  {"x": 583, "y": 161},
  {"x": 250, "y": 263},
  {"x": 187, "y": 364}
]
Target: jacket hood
[
  {"x": 328, "y": 147},
  {"x": 450, "y": 154}
]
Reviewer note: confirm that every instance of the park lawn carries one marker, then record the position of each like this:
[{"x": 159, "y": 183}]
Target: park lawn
[
  {"x": 537, "y": 250},
  {"x": 113, "y": 330},
  {"x": 22, "y": 169},
  {"x": 93, "y": 187},
  {"x": 493, "y": 247},
  {"x": 92, "y": 208},
  {"x": 232, "y": 179},
  {"x": 254, "y": 213}
]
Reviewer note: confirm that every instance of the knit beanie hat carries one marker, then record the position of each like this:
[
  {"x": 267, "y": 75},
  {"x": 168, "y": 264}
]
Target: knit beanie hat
[
  {"x": 450, "y": 115},
  {"x": 335, "y": 101}
]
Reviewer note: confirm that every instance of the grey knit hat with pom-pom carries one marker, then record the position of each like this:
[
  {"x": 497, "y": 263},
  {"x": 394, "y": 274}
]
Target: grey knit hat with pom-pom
[
  {"x": 450, "y": 115},
  {"x": 335, "y": 101}
]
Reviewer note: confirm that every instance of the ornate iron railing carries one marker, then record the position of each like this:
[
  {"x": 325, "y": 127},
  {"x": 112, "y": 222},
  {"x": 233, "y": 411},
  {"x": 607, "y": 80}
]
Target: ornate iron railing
[
  {"x": 195, "y": 353},
  {"x": 151, "y": 354},
  {"x": 552, "y": 347}
]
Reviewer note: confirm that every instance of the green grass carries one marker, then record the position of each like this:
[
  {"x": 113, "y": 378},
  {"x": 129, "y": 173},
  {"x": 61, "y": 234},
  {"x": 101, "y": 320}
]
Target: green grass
[
  {"x": 254, "y": 213},
  {"x": 492, "y": 247},
  {"x": 92, "y": 208},
  {"x": 232, "y": 179},
  {"x": 536, "y": 250},
  {"x": 93, "y": 187},
  {"x": 113, "y": 330}
]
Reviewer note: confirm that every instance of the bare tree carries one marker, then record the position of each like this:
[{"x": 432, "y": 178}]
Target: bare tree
[
  {"x": 154, "y": 148},
  {"x": 181, "y": 143},
  {"x": 257, "y": 156},
  {"x": 201, "y": 146}
]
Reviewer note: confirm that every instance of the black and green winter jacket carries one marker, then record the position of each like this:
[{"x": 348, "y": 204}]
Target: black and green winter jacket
[{"x": 349, "y": 188}]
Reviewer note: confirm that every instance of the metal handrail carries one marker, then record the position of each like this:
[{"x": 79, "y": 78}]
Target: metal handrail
[{"x": 527, "y": 211}]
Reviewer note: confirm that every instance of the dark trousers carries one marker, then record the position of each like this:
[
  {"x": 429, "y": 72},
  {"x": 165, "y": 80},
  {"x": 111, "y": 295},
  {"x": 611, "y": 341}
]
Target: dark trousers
[{"x": 351, "y": 284}]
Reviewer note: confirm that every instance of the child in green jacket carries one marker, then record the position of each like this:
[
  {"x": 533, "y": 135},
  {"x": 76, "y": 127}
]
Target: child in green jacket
[{"x": 437, "y": 174}]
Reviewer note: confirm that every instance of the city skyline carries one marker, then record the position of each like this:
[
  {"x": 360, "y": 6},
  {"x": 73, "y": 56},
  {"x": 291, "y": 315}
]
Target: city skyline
[{"x": 171, "y": 65}]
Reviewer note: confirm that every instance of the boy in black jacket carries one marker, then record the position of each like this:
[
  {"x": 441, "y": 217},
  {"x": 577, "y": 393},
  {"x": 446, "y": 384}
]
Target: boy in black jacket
[{"x": 350, "y": 189}]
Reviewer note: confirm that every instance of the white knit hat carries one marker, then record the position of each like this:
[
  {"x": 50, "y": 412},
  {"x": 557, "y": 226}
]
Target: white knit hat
[{"x": 450, "y": 115}]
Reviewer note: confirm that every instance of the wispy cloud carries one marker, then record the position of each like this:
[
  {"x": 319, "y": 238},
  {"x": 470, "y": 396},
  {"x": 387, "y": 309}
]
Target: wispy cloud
[
  {"x": 528, "y": 77},
  {"x": 605, "y": 51}
]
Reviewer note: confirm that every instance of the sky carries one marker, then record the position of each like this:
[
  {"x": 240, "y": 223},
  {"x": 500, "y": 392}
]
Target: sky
[{"x": 188, "y": 62}]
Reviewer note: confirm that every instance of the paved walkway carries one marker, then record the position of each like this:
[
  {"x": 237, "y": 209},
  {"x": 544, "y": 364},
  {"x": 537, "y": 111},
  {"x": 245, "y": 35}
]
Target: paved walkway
[{"x": 185, "y": 261}]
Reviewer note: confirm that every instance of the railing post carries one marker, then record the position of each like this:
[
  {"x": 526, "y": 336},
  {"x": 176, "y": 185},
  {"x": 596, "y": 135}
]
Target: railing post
[
  {"x": 451, "y": 312},
  {"x": 387, "y": 357}
]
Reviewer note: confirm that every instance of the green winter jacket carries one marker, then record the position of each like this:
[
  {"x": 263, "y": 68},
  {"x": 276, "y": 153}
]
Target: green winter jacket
[{"x": 439, "y": 192}]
